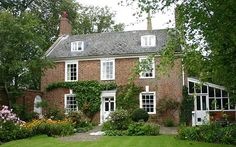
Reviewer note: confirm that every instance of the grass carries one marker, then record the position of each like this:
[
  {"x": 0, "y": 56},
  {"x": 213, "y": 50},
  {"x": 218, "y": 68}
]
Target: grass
[{"x": 124, "y": 141}]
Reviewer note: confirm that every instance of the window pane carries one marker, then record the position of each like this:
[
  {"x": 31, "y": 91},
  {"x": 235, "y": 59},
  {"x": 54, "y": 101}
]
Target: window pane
[
  {"x": 212, "y": 104},
  {"x": 198, "y": 103},
  {"x": 218, "y": 92},
  {"x": 203, "y": 102},
  {"x": 224, "y": 93},
  {"x": 106, "y": 106},
  {"x": 198, "y": 88},
  {"x": 211, "y": 92},
  {"x": 225, "y": 103},
  {"x": 204, "y": 89},
  {"x": 191, "y": 87},
  {"x": 218, "y": 104},
  {"x": 112, "y": 106}
]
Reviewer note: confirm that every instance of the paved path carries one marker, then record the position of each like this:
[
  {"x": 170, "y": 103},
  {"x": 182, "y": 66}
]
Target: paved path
[
  {"x": 83, "y": 136},
  {"x": 87, "y": 137},
  {"x": 168, "y": 130}
]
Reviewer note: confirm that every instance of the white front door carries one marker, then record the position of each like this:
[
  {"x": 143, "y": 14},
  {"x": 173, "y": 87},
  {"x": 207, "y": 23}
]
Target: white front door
[
  {"x": 108, "y": 105},
  {"x": 200, "y": 115}
]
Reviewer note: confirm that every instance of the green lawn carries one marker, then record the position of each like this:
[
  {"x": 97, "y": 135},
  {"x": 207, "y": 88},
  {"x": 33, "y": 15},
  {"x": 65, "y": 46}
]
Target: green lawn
[{"x": 141, "y": 141}]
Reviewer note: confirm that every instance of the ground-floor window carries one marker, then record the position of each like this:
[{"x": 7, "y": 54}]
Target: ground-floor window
[
  {"x": 71, "y": 104},
  {"x": 148, "y": 102}
]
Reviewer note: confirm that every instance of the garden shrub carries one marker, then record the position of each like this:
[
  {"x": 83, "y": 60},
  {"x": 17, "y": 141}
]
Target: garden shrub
[
  {"x": 116, "y": 133},
  {"x": 139, "y": 115},
  {"x": 212, "y": 133},
  {"x": 80, "y": 121},
  {"x": 54, "y": 114},
  {"x": 10, "y": 126},
  {"x": 168, "y": 122},
  {"x": 10, "y": 131},
  {"x": 140, "y": 129},
  {"x": 120, "y": 119},
  {"x": 107, "y": 126}
]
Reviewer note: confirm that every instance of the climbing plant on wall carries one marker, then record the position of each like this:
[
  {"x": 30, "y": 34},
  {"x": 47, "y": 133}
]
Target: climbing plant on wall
[
  {"x": 87, "y": 94},
  {"x": 127, "y": 97}
]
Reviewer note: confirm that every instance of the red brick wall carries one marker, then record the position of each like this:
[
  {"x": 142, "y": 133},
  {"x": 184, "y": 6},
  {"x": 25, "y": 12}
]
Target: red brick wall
[
  {"x": 167, "y": 86},
  {"x": 27, "y": 99}
]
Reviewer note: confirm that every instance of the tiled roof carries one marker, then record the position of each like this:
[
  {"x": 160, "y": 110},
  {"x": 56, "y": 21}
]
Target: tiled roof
[{"x": 107, "y": 44}]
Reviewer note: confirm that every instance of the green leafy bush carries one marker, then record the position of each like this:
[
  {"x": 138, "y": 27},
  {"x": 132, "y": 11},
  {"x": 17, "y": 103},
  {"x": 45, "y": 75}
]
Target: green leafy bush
[
  {"x": 116, "y": 133},
  {"x": 107, "y": 126},
  {"x": 80, "y": 121},
  {"x": 212, "y": 133},
  {"x": 168, "y": 122},
  {"x": 140, "y": 129},
  {"x": 10, "y": 131},
  {"x": 54, "y": 114},
  {"x": 120, "y": 119},
  {"x": 139, "y": 115}
]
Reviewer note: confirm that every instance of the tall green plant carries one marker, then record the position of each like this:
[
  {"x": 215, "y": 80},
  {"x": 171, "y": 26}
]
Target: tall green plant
[
  {"x": 127, "y": 97},
  {"x": 186, "y": 107}
]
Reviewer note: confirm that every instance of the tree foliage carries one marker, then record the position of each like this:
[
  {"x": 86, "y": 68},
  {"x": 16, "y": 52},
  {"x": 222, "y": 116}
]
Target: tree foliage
[
  {"x": 208, "y": 39},
  {"x": 92, "y": 19},
  {"x": 21, "y": 44}
]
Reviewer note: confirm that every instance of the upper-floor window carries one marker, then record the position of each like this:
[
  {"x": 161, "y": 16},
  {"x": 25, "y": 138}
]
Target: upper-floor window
[
  {"x": 71, "y": 71},
  {"x": 107, "y": 69},
  {"x": 77, "y": 46},
  {"x": 71, "y": 104},
  {"x": 147, "y": 68},
  {"x": 147, "y": 101},
  {"x": 148, "y": 41}
]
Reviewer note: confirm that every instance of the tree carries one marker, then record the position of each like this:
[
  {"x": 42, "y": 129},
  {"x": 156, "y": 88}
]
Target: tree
[
  {"x": 21, "y": 44},
  {"x": 207, "y": 36},
  {"x": 96, "y": 20}
]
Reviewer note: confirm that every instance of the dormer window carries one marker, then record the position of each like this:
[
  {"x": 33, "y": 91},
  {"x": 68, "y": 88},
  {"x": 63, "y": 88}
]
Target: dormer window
[
  {"x": 148, "y": 41},
  {"x": 77, "y": 46}
]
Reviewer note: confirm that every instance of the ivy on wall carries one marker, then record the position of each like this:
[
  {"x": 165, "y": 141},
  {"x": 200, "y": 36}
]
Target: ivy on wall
[
  {"x": 87, "y": 93},
  {"x": 128, "y": 97}
]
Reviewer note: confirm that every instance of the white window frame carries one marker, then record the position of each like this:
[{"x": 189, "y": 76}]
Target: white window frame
[
  {"x": 65, "y": 103},
  {"x": 103, "y": 77},
  {"x": 153, "y": 67},
  {"x": 148, "y": 41},
  {"x": 66, "y": 74},
  {"x": 154, "y": 101},
  {"x": 75, "y": 46}
]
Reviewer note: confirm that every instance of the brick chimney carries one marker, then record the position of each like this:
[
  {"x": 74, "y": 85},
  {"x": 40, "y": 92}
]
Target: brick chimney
[
  {"x": 65, "y": 26},
  {"x": 149, "y": 21}
]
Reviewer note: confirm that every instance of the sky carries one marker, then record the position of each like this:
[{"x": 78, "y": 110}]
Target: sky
[{"x": 125, "y": 15}]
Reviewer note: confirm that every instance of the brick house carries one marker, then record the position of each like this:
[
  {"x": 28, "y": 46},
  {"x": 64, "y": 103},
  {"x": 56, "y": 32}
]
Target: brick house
[{"x": 110, "y": 57}]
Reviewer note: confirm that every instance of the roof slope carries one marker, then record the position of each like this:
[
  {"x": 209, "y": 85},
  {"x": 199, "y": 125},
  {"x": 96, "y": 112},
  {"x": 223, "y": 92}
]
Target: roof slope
[{"x": 108, "y": 44}]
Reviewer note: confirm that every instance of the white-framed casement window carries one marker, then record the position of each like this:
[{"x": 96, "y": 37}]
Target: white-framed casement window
[
  {"x": 71, "y": 104},
  {"x": 147, "y": 101},
  {"x": 147, "y": 67},
  {"x": 71, "y": 71},
  {"x": 148, "y": 41},
  {"x": 107, "y": 69},
  {"x": 77, "y": 46}
]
